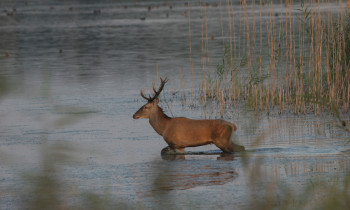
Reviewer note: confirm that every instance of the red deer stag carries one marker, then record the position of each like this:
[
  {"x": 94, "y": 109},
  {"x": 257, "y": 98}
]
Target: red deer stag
[{"x": 181, "y": 132}]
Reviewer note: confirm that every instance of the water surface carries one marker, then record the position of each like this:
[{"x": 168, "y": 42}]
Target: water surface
[{"x": 74, "y": 71}]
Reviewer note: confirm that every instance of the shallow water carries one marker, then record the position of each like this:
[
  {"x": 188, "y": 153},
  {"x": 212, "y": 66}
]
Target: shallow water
[{"x": 73, "y": 77}]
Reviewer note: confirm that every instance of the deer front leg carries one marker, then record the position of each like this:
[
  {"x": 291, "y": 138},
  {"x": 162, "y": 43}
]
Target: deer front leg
[
  {"x": 173, "y": 147},
  {"x": 168, "y": 150}
]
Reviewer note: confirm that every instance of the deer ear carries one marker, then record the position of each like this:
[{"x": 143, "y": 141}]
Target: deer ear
[{"x": 156, "y": 101}]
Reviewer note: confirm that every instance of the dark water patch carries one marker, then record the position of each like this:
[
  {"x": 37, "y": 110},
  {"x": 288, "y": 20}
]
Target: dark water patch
[{"x": 298, "y": 150}]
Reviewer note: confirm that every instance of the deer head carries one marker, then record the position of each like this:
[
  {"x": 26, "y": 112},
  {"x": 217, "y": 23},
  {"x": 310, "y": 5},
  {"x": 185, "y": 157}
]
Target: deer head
[{"x": 152, "y": 101}]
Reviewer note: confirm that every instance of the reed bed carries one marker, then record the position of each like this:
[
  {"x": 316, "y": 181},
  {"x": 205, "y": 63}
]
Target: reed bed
[{"x": 285, "y": 57}]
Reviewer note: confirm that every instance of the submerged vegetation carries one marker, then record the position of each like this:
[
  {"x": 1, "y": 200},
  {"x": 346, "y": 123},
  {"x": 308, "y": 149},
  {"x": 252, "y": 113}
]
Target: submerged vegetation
[{"x": 306, "y": 69}]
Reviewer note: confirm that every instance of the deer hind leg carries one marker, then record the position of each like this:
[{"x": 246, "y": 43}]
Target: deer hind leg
[
  {"x": 223, "y": 140},
  {"x": 224, "y": 147},
  {"x": 225, "y": 143},
  {"x": 236, "y": 147}
]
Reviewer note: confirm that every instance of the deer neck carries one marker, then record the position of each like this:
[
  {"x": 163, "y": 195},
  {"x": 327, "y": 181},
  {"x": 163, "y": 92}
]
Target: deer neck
[{"x": 159, "y": 121}]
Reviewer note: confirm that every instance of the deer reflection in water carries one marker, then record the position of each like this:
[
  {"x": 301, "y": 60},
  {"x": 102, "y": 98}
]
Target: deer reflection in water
[
  {"x": 222, "y": 155},
  {"x": 182, "y": 174}
]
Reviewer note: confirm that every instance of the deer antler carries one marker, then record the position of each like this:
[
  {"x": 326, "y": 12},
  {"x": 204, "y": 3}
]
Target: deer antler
[
  {"x": 143, "y": 95},
  {"x": 156, "y": 93}
]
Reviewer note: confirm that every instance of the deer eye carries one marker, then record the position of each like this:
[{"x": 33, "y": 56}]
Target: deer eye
[{"x": 146, "y": 107}]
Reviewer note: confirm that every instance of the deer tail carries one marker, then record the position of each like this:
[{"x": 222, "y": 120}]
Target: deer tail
[{"x": 234, "y": 127}]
